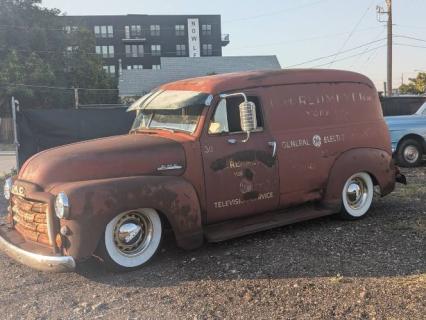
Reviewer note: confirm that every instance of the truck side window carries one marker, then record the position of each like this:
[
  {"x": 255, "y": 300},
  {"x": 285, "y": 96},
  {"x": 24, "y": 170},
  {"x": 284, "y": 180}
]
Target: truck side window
[{"x": 226, "y": 118}]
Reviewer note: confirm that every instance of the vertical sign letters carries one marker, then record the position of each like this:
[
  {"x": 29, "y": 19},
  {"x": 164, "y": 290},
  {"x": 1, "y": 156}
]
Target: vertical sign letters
[{"x": 194, "y": 37}]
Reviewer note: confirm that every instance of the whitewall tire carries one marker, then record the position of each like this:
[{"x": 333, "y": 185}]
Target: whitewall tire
[
  {"x": 131, "y": 239},
  {"x": 357, "y": 195}
]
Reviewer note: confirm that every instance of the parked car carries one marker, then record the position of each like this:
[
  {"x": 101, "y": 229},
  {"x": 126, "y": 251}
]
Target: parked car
[
  {"x": 213, "y": 158},
  {"x": 408, "y": 137}
]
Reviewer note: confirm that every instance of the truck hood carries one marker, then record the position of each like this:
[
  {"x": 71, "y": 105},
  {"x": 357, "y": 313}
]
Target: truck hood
[{"x": 113, "y": 157}]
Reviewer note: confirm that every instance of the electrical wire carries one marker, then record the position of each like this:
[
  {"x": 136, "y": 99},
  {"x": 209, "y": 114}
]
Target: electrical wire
[
  {"x": 352, "y": 56},
  {"x": 353, "y": 31},
  {"x": 13, "y": 85},
  {"x": 332, "y": 55},
  {"x": 408, "y": 37},
  {"x": 326, "y": 36},
  {"x": 272, "y": 13},
  {"x": 409, "y": 45},
  {"x": 379, "y": 35}
]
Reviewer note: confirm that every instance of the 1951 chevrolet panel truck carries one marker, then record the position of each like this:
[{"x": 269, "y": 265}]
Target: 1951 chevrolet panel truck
[{"x": 213, "y": 158}]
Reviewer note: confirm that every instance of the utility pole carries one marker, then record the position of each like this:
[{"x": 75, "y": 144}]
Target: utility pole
[
  {"x": 389, "y": 68},
  {"x": 388, "y": 12}
]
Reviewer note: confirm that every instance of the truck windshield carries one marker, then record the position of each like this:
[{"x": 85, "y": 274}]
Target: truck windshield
[{"x": 171, "y": 110}]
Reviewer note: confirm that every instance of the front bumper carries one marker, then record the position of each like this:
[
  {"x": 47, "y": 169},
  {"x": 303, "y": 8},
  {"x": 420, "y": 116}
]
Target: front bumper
[{"x": 12, "y": 243}]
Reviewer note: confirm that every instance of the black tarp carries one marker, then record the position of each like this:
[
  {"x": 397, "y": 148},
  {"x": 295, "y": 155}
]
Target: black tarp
[
  {"x": 401, "y": 105},
  {"x": 43, "y": 129}
]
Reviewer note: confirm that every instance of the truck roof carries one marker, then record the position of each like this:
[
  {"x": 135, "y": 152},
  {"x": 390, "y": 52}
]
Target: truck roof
[{"x": 216, "y": 84}]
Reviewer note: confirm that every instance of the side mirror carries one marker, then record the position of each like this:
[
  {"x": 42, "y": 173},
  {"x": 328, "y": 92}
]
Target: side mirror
[{"x": 248, "y": 118}]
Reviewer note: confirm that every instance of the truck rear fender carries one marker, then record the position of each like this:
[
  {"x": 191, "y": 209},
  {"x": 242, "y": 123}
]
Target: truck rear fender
[
  {"x": 376, "y": 162},
  {"x": 94, "y": 203}
]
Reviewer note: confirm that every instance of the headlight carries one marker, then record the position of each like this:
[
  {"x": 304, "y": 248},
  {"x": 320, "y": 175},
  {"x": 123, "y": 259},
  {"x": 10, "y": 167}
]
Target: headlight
[
  {"x": 62, "y": 206},
  {"x": 7, "y": 188}
]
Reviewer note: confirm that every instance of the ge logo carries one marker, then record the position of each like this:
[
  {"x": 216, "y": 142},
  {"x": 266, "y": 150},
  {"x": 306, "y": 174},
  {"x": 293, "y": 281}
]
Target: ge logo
[{"x": 316, "y": 140}]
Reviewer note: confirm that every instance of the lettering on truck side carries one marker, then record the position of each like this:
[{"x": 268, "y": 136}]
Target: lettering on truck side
[{"x": 239, "y": 201}]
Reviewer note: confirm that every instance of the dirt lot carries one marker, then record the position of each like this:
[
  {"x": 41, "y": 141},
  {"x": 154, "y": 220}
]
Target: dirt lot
[{"x": 374, "y": 268}]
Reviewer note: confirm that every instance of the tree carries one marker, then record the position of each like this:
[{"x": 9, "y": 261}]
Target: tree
[
  {"x": 35, "y": 50},
  {"x": 415, "y": 86}
]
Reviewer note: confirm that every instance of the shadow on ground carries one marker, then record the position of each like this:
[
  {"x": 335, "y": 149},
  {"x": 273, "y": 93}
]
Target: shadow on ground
[{"x": 389, "y": 242}]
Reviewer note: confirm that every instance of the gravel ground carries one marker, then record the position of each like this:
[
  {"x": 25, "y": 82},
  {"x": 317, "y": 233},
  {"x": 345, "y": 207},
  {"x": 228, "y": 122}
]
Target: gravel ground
[{"x": 373, "y": 268}]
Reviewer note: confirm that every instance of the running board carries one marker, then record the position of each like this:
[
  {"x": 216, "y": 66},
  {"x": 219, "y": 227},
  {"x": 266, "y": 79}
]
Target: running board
[{"x": 261, "y": 222}]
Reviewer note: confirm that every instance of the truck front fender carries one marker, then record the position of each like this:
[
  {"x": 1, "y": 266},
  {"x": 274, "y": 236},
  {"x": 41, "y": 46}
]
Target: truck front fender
[
  {"x": 377, "y": 163},
  {"x": 94, "y": 203}
]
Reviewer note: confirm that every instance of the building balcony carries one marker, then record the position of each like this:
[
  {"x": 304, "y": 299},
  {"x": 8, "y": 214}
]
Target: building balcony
[{"x": 225, "y": 39}]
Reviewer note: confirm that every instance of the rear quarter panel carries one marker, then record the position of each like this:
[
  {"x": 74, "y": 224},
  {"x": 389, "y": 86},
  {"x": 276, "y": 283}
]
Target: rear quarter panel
[{"x": 313, "y": 125}]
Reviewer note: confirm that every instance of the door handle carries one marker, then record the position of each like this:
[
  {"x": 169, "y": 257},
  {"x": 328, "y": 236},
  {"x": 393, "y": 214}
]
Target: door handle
[{"x": 273, "y": 144}]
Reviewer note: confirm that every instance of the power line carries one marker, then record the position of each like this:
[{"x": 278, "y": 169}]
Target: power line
[
  {"x": 409, "y": 37},
  {"x": 331, "y": 35},
  {"x": 332, "y": 55},
  {"x": 368, "y": 47},
  {"x": 13, "y": 85},
  {"x": 412, "y": 27},
  {"x": 272, "y": 13},
  {"x": 409, "y": 45},
  {"x": 352, "y": 32},
  {"x": 352, "y": 56}
]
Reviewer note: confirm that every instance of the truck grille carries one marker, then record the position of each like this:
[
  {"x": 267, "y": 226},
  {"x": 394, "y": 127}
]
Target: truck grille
[{"x": 30, "y": 219}]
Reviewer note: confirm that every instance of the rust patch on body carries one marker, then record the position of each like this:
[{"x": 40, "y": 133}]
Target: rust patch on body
[{"x": 243, "y": 156}]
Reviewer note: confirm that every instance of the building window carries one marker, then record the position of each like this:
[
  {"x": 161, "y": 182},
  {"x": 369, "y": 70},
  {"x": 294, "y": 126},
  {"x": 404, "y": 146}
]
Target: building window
[
  {"x": 206, "y": 29},
  {"x": 69, "y": 29},
  {"x": 134, "y": 31},
  {"x": 135, "y": 67},
  {"x": 207, "y": 49},
  {"x": 180, "y": 50},
  {"x": 71, "y": 49},
  {"x": 156, "y": 50},
  {"x": 109, "y": 69},
  {"x": 105, "y": 51},
  {"x": 134, "y": 50},
  {"x": 156, "y": 67},
  {"x": 180, "y": 30},
  {"x": 155, "y": 30},
  {"x": 104, "y": 31}
]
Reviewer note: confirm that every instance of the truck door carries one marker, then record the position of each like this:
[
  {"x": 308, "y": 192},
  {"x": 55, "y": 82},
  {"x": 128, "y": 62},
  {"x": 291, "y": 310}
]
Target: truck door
[{"x": 241, "y": 177}]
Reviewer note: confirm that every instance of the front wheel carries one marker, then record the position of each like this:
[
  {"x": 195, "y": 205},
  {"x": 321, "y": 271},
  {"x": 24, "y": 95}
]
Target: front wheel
[
  {"x": 357, "y": 196},
  {"x": 131, "y": 239}
]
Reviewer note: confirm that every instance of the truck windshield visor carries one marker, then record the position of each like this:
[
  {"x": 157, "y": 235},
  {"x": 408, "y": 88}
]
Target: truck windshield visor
[{"x": 171, "y": 110}]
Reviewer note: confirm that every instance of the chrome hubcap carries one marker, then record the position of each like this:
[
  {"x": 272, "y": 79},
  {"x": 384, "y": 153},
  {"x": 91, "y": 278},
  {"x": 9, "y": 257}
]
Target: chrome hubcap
[
  {"x": 356, "y": 193},
  {"x": 133, "y": 233},
  {"x": 411, "y": 154}
]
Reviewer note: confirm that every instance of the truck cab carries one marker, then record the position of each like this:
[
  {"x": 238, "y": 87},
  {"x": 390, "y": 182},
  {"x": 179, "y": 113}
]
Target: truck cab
[{"x": 212, "y": 158}]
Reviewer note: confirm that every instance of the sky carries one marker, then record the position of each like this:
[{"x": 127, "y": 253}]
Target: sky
[{"x": 298, "y": 31}]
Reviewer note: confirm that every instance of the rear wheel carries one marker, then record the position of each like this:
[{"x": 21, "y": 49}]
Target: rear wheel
[
  {"x": 131, "y": 239},
  {"x": 409, "y": 153},
  {"x": 357, "y": 196}
]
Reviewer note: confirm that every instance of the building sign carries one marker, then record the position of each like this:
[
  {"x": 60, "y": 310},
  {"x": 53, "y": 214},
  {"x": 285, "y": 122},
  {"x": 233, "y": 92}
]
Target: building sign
[{"x": 194, "y": 37}]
